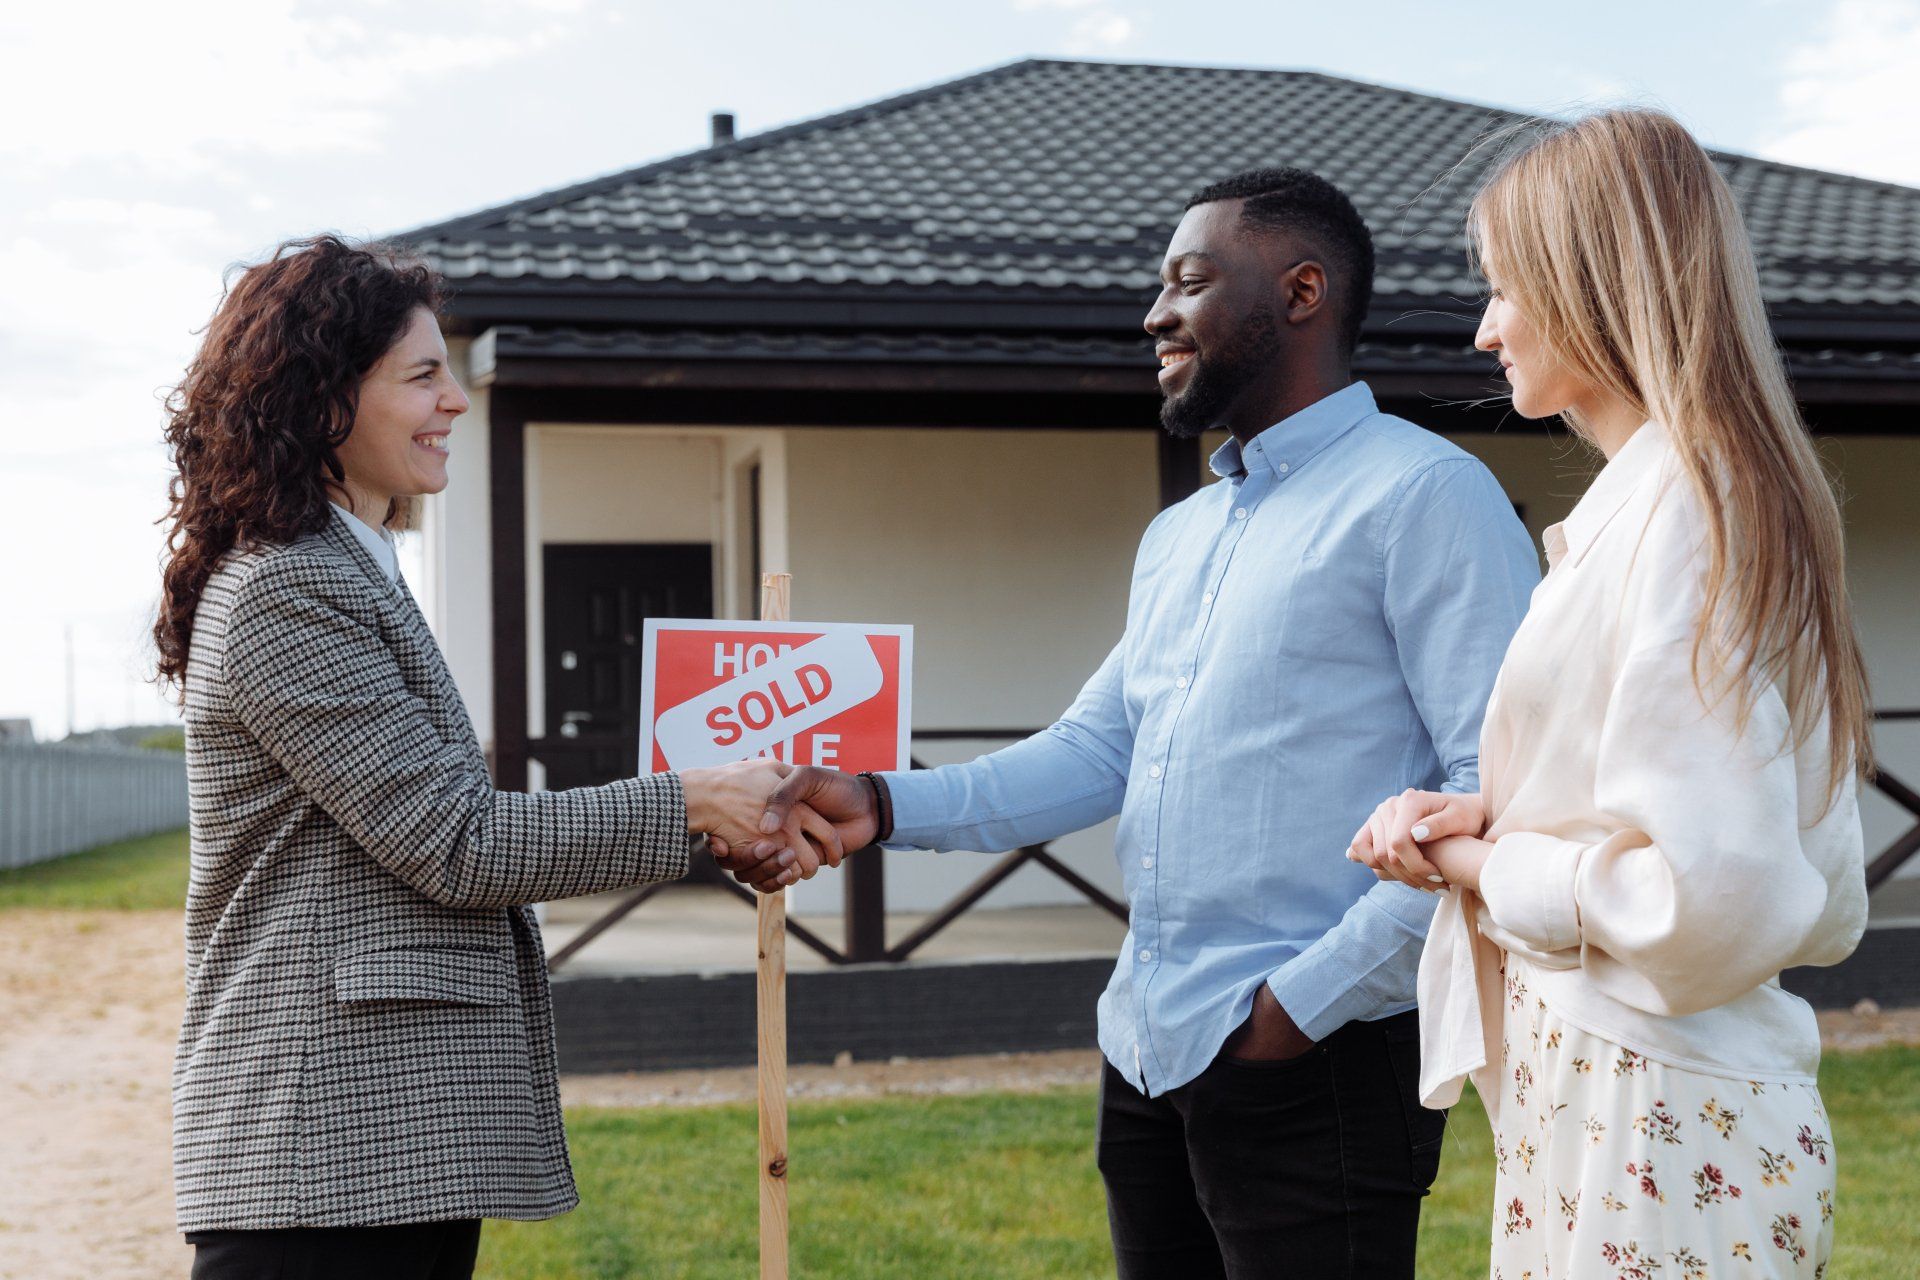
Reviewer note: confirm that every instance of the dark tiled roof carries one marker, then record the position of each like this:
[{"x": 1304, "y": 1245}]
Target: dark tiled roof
[{"x": 1061, "y": 180}]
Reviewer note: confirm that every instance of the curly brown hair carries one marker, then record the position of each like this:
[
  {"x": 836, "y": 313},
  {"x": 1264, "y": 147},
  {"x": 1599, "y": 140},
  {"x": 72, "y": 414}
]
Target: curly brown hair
[{"x": 255, "y": 426}]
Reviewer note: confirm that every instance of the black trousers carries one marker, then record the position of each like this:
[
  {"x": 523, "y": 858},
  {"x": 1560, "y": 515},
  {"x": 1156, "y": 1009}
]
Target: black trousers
[
  {"x": 414, "y": 1251},
  {"x": 1307, "y": 1169}
]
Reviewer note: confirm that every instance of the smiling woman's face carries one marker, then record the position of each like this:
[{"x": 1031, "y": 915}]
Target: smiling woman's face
[
  {"x": 1542, "y": 386},
  {"x": 404, "y": 421}
]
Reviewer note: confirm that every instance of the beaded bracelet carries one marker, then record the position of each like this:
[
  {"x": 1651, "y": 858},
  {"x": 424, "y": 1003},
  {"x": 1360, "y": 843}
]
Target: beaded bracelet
[{"x": 883, "y": 805}]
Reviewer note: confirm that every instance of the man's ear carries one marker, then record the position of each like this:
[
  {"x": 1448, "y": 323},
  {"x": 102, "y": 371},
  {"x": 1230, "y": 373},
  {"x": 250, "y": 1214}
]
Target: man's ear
[{"x": 1304, "y": 291}]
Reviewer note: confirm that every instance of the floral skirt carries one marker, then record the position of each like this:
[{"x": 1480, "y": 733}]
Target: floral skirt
[{"x": 1611, "y": 1166}]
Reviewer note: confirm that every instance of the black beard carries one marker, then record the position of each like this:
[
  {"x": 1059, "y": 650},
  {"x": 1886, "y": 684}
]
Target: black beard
[{"x": 1221, "y": 376}]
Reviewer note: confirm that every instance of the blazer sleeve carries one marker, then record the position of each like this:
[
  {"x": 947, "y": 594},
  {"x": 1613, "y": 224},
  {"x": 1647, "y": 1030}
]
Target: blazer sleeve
[{"x": 310, "y": 676}]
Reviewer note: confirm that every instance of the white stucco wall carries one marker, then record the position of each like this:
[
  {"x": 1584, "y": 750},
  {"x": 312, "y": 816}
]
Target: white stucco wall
[
  {"x": 1010, "y": 553},
  {"x": 1880, "y": 478}
]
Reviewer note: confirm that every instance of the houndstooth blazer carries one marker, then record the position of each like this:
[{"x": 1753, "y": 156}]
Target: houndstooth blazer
[{"x": 368, "y": 1035}]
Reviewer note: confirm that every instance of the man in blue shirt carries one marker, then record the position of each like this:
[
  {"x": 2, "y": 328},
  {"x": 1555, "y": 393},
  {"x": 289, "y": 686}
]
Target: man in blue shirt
[{"x": 1318, "y": 630}]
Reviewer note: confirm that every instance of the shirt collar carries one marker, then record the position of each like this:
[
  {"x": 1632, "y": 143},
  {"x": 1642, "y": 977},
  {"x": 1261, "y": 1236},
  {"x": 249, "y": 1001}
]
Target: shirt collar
[
  {"x": 378, "y": 542},
  {"x": 1287, "y": 445},
  {"x": 1641, "y": 458}
]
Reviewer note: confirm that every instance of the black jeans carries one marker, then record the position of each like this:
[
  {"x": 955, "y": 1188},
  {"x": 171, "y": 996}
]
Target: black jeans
[
  {"x": 1308, "y": 1168},
  {"x": 413, "y": 1251}
]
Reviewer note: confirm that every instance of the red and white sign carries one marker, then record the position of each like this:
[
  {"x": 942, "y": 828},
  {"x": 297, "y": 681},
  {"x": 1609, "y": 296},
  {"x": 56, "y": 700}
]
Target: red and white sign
[{"x": 827, "y": 693}]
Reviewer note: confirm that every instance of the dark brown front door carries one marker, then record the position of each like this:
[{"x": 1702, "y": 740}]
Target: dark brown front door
[{"x": 598, "y": 598}]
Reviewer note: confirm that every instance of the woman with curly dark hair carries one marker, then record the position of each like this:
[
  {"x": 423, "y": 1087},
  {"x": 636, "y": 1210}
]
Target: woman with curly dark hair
[{"x": 366, "y": 1063}]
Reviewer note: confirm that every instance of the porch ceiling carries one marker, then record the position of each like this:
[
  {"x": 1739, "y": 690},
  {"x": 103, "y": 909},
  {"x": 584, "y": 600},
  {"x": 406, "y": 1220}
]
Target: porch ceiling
[{"x": 893, "y": 359}]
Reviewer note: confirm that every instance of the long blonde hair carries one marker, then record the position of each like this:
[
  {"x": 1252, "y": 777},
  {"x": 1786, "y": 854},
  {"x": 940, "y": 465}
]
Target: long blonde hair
[{"x": 1621, "y": 242}]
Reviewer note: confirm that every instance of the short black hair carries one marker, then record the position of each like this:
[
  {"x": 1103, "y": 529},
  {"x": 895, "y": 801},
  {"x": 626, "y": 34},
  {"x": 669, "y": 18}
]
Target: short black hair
[{"x": 1291, "y": 199}]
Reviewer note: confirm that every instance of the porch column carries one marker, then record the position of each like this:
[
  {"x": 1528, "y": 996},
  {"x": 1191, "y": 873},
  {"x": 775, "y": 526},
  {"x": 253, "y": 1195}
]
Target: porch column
[
  {"x": 507, "y": 502},
  {"x": 864, "y": 902},
  {"x": 1179, "y": 467}
]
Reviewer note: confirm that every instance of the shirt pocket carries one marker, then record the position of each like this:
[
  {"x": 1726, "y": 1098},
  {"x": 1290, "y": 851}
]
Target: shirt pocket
[
  {"x": 434, "y": 975},
  {"x": 1333, "y": 610}
]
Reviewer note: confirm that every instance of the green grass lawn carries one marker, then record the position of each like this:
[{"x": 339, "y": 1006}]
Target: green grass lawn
[
  {"x": 1002, "y": 1187},
  {"x": 135, "y": 875}
]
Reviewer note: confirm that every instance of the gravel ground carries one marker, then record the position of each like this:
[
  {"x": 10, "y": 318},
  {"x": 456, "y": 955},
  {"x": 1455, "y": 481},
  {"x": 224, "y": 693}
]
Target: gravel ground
[
  {"x": 89, "y": 1007},
  {"x": 90, "y": 1003}
]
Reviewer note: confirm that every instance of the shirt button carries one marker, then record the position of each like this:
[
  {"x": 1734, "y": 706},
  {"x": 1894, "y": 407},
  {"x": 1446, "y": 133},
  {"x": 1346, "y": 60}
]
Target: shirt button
[
  {"x": 1239, "y": 513},
  {"x": 1207, "y": 598},
  {"x": 1153, "y": 771},
  {"x": 1283, "y": 468},
  {"x": 1145, "y": 955},
  {"x": 1181, "y": 683},
  {"x": 1147, "y": 863}
]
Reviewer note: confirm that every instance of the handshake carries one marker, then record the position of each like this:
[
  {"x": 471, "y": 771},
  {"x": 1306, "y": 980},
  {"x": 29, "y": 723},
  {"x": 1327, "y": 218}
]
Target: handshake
[{"x": 772, "y": 824}]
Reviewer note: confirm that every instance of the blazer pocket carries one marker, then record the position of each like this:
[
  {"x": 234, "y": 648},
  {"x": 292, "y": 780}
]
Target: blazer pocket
[{"x": 424, "y": 973}]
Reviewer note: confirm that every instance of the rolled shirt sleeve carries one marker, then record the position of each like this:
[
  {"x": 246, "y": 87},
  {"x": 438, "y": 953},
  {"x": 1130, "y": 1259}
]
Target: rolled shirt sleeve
[{"x": 1070, "y": 775}]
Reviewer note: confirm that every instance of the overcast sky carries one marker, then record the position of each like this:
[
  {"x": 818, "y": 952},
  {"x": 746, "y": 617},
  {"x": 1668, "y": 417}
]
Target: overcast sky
[{"x": 148, "y": 146}]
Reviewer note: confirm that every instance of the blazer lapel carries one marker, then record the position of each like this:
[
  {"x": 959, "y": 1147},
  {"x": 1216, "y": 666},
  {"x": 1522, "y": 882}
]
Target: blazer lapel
[
  {"x": 343, "y": 541},
  {"x": 418, "y": 636}
]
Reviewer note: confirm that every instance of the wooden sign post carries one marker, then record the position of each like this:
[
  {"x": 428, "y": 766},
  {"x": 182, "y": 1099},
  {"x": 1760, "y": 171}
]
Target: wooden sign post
[
  {"x": 834, "y": 694},
  {"x": 775, "y": 602}
]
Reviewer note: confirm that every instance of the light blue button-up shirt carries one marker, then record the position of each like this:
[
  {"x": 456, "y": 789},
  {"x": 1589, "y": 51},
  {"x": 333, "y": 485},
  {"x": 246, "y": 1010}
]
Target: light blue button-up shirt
[{"x": 1314, "y": 633}]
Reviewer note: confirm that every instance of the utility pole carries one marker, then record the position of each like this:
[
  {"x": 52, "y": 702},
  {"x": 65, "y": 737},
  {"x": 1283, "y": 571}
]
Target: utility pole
[{"x": 70, "y": 724}]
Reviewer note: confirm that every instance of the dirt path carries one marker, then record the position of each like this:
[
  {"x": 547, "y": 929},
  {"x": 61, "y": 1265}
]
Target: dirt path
[
  {"x": 981, "y": 1073},
  {"x": 89, "y": 1005}
]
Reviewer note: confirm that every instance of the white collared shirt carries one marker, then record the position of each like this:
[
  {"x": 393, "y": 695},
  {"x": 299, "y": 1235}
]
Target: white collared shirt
[
  {"x": 1656, "y": 865},
  {"x": 378, "y": 542}
]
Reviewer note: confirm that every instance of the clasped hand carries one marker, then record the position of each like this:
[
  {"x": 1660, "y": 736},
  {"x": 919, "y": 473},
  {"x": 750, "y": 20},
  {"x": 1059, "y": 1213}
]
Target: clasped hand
[
  {"x": 771, "y": 824},
  {"x": 1427, "y": 839}
]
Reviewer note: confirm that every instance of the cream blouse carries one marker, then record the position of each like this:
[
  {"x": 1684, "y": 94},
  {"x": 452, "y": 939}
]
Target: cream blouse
[{"x": 1656, "y": 867}]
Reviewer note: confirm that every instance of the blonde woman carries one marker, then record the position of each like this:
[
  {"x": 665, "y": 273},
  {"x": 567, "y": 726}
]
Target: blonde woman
[{"x": 1668, "y": 815}]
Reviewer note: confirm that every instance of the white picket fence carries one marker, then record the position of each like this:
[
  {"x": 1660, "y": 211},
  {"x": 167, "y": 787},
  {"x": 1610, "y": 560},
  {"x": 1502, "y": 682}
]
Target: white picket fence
[{"x": 57, "y": 799}]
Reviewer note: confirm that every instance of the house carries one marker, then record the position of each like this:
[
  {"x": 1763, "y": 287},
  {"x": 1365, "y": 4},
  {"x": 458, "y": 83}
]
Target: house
[{"x": 897, "y": 350}]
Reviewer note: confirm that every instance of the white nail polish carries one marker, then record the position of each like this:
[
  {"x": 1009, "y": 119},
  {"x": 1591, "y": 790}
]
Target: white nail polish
[
  {"x": 1438, "y": 879},
  {"x": 1420, "y": 832}
]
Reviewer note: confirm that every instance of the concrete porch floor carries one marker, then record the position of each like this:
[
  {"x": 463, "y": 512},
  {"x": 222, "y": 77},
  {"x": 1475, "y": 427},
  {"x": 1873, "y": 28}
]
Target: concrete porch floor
[
  {"x": 1895, "y": 903},
  {"x": 692, "y": 928},
  {"x": 695, "y": 928}
]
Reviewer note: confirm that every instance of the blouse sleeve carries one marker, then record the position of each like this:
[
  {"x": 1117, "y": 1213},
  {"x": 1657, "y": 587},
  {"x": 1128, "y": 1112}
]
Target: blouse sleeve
[{"x": 1715, "y": 876}]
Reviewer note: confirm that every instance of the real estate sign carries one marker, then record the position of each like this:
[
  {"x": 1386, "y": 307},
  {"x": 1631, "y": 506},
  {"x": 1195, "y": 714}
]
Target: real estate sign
[{"x": 827, "y": 693}]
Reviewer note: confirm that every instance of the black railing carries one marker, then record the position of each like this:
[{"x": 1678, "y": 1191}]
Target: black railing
[
  {"x": 865, "y": 903},
  {"x": 865, "y": 906},
  {"x": 1907, "y": 844}
]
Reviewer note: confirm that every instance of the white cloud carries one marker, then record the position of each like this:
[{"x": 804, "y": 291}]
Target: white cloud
[
  {"x": 1852, "y": 99},
  {"x": 149, "y": 148},
  {"x": 183, "y": 87},
  {"x": 1099, "y": 27},
  {"x": 1100, "y": 32}
]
